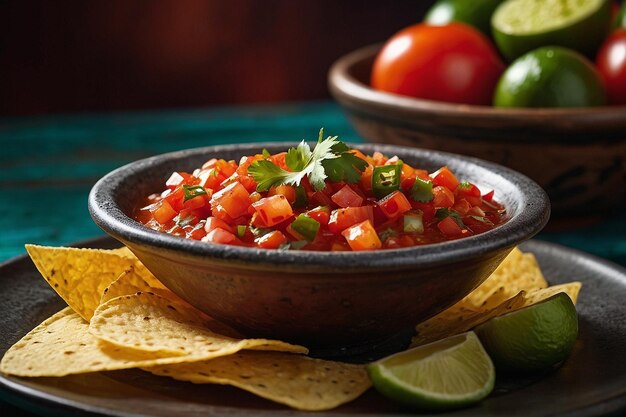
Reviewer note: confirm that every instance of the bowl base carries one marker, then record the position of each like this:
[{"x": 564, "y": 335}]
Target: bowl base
[{"x": 367, "y": 351}]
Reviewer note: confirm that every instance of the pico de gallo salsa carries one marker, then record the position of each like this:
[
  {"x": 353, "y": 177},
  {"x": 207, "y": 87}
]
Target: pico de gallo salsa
[{"x": 329, "y": 198}]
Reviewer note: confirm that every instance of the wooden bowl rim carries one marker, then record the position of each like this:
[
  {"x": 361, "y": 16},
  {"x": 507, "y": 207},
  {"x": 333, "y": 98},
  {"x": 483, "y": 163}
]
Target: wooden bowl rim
[{"x": 355, "y": 93}]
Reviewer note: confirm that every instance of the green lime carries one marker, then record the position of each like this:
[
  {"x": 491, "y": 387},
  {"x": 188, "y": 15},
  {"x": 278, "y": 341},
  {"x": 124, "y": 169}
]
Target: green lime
[
  {"x": 550, "y": 77},
  {"x": 535, "y": 338},
  {"x": 476, "y": 13},
  {"x": 449, "y": 373},
  {"x": 520, "y": 26}
]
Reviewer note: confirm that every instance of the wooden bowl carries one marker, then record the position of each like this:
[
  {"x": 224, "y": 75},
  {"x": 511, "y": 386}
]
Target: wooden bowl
[
  {"x": 577, "y": 155},
  {"x": 320, "y": 299}
]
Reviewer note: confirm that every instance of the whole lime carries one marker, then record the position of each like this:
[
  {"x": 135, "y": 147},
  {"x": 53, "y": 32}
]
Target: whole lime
[
  {"x": 533, "y": 339},
  {"x": 520, "y": 26},
  {"x": 550, "y": 77},
  {"x": 475, "y": 13}
]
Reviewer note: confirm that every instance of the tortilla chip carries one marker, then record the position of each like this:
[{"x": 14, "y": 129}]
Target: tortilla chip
[
  {"x": 294, "y": 380},
  {"x": 459, "y": 319},
  {"x": 518, "y": 272},
  {"x": 62, "y": 345},
  {"x": 151, "y": 323},
  {"x": 79, "y": 276},
  {"x": 131, "y": 282},
  {"x": 571, "y": 288}
]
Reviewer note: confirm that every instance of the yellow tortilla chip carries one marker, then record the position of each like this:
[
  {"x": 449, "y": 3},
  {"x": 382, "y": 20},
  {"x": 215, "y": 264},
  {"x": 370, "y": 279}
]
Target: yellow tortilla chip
[
  {"x": 148, "y": 322},
  {"x": 79, "y": 276},
  {"x": 571, "y": 288},
  {"x": 62, "y": 345},
  {"x": 458, "y": 319},
  {"x": 294, "y": 380},
  {"x": 518, "y": 272},
  {"x": 130, "y": 282}
]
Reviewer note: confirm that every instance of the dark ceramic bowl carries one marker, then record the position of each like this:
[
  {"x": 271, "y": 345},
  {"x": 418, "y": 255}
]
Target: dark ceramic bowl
[
  {"x": 320, "y": 299},
  {"x": 577, "y": 155}
]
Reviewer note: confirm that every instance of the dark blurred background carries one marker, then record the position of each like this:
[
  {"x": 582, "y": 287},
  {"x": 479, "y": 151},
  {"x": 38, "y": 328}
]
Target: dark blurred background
[{"x": 72, "y": 56}]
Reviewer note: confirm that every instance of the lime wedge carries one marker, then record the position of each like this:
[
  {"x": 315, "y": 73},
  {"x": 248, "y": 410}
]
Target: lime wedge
[
  {"x": 449, "y": 373},
  {"x": 520, "y": 26},
  {"x": 475, "y": 13},
  {"x": 533, "y": 339}
]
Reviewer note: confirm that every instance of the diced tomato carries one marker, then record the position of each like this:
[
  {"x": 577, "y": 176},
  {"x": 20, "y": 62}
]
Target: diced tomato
[
  {"x": 321, "y": 199},
  {"x": 347, "y": 197},
  {"x": 445, "y": 178},
  {"x": 394, "y": 204},
  {"x": 462, "y": 207},
  {"x": 379, "y": 158},
  {"x": 362, "y": 236},
  {"x": 428, "y": 210},
  {"x": 219, "y": 212},
  {"x": 196, "y": 232},
  {"x": 220, "y": 236},
  {"x": 210, "y": 163},
  {"x": 320, "y": 214},
  {"x": 449, "y": 227},
  {"x": 489, "y": 196},
  {"x": 442, "y": 197},
  {"x": 476, "y": 211},
  {"x": 245, "y": 162},
  {"x": 213, "y": 223},
  {"x": 180, "y": 178},
  {"x": 163, "y": 212},
  {"x": 478, "y": 224},
  {"x": 271, "y": 240},
  {"x": 341, "y": 219},
  {"x": 279, "y": 160},
  {"x": 366, "y": 179},
  {"x": 176, "y": 198},
  {"x": 273, "y": 210},
  {"x": 345, "y": 215},
  {"x": 234, "y": 199},
  {"x": 287, "y": 191}
]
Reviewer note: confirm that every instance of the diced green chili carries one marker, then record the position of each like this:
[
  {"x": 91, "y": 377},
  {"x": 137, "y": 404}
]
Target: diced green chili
[
  {"x": 191, "y": 191},
  {"x": 306, "y": 226},
  {"x": 241, "y": 230},
  {"x": 301, "y": 198},
  {"x": 385, "y": 180},
  {"x": 422, "y": 191}
]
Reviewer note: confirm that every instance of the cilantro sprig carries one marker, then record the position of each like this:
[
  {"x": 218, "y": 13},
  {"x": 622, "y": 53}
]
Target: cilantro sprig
[{"x": 330, "y": 158}]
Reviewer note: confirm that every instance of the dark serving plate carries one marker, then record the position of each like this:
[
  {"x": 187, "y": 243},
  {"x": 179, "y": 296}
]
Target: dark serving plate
[{"x": 591, "y": 382}]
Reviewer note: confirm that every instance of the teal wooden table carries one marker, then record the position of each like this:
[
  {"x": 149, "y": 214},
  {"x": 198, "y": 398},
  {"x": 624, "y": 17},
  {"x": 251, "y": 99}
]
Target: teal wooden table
[{"x": 48, "y": 165}]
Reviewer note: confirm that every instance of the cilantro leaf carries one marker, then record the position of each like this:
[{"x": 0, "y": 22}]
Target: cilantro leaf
[
  {"x": 329, "y": 159},
  {"x": 297, "y": 158},
  {"x": 347, "y": 167}
]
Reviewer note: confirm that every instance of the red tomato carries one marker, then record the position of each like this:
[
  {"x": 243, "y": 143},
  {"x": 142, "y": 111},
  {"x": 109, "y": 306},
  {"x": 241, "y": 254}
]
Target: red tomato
[
  {"x": 453, "y": 63},
  {"x": 271, "y": 240},
  {"x": 274, "y": 209},
  {"x": 611, "y": 62},
  {"x": 347, "y": 197},
  {"x": 234, "y": 199},
  {"x": 362, "y": 236},
  {"x": 394, "y": 204},
  {"x": 343, "y": 218}
]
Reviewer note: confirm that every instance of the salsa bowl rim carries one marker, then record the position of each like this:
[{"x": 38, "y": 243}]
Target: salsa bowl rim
[{"x": 530, "y": 217}]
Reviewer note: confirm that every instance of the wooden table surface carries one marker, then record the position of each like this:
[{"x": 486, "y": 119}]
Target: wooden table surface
[{"x": 48, "y": 165}]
